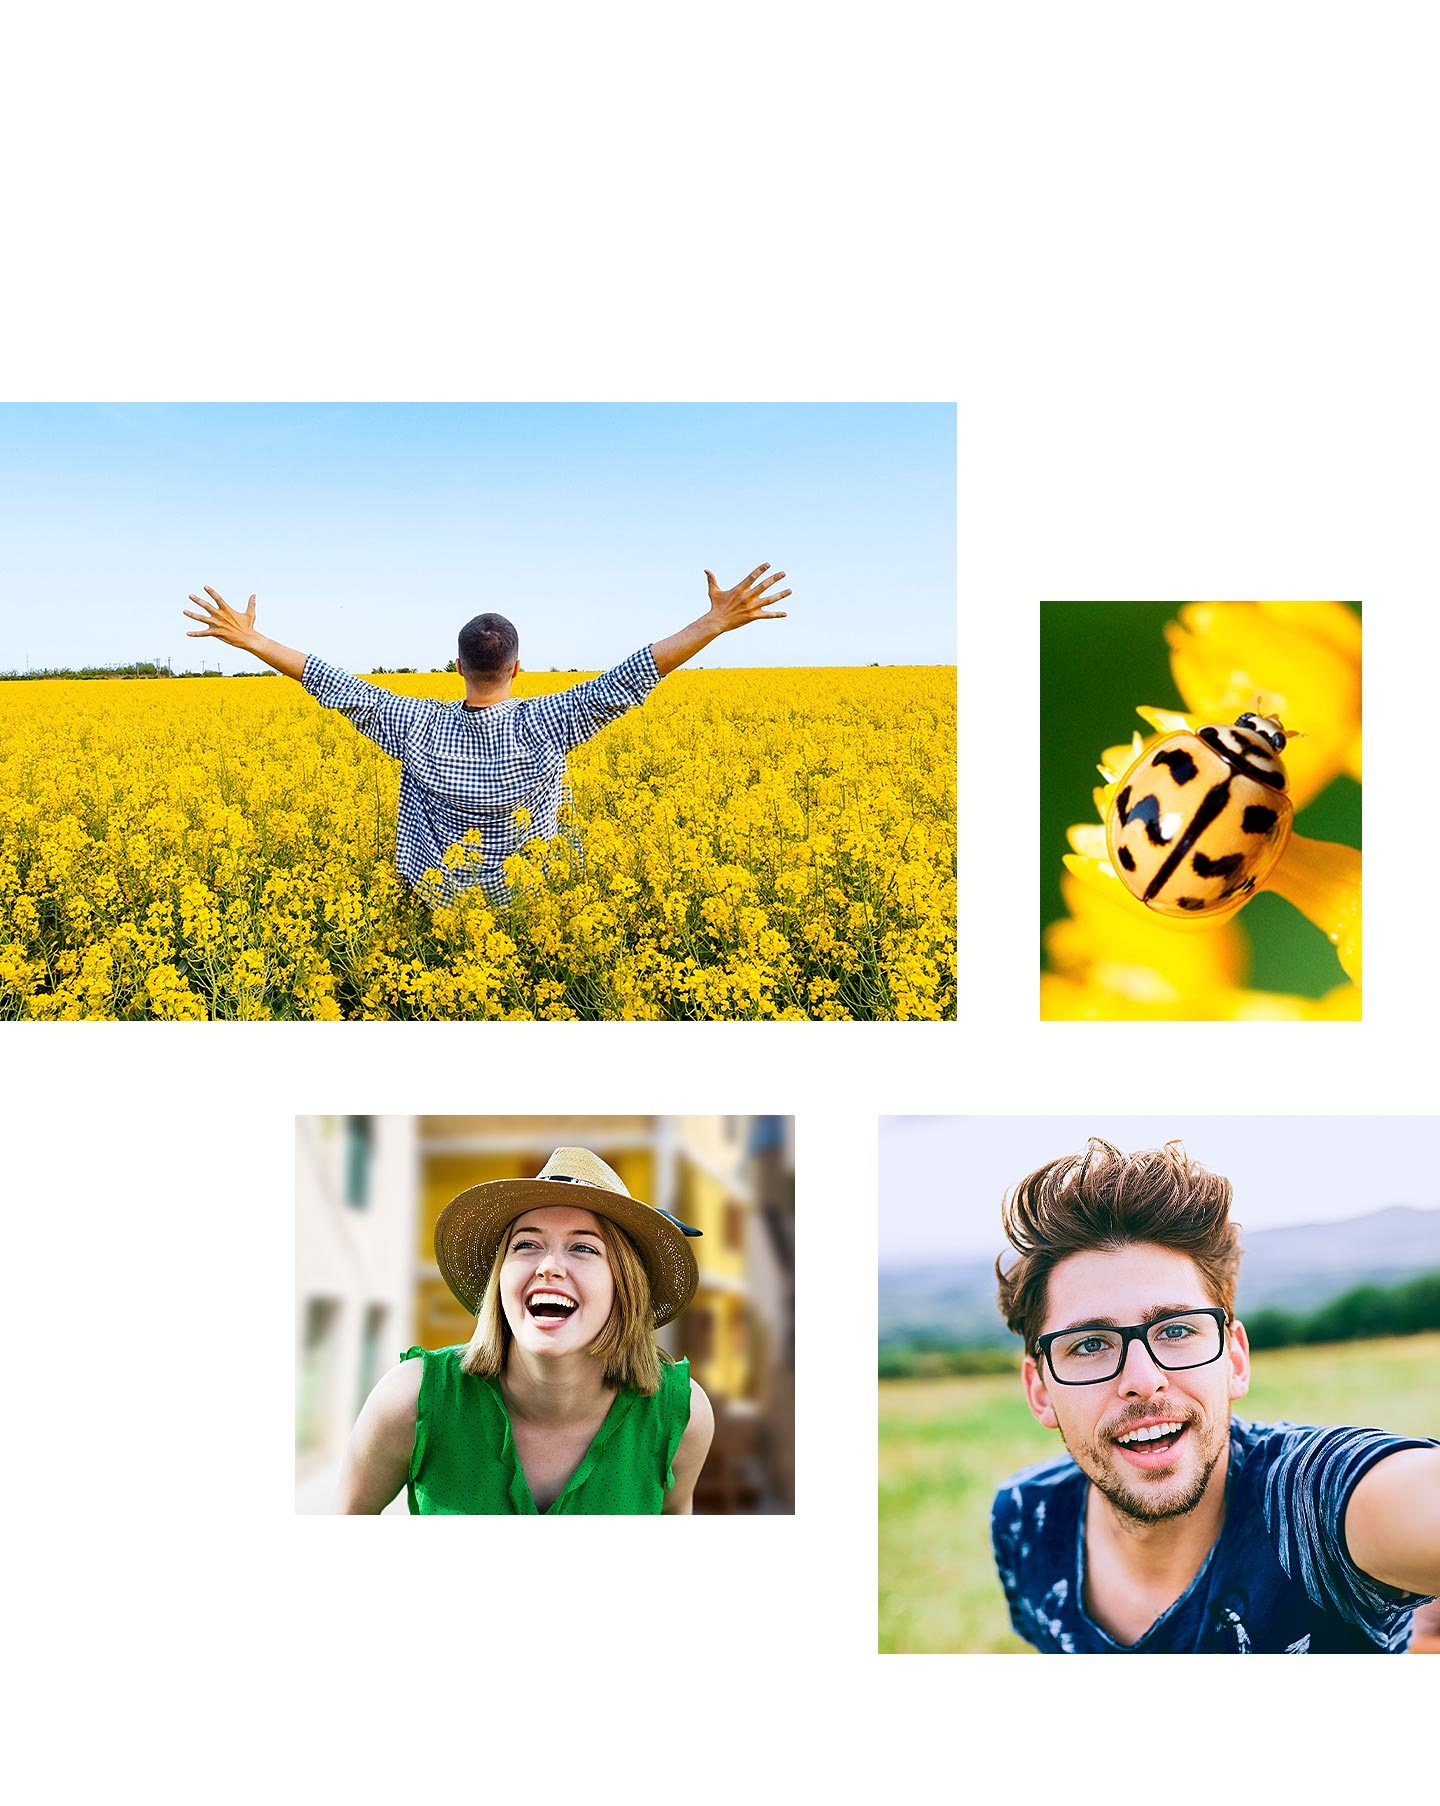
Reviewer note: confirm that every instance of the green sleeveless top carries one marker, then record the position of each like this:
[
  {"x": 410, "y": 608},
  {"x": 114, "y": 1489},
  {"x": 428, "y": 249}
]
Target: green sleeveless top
[{"x": 464, "y": 1458}]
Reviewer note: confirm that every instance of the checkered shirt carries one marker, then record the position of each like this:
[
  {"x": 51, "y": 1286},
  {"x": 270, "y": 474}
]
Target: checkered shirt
[{"x": 473, "y": 768}]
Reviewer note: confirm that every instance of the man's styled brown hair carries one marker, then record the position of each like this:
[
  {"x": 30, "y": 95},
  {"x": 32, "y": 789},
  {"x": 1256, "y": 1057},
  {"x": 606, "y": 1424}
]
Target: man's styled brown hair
[{"x": 1104, "y": 1199}]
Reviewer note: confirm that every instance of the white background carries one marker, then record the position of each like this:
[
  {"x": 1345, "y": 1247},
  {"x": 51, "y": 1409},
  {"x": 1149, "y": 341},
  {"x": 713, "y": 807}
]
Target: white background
[{"x": 1177, "y": 268}]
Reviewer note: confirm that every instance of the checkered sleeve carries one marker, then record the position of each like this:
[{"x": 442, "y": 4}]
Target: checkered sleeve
[
  {"x": 380, "y": 716},
  {"x": 574, "y": 716}
]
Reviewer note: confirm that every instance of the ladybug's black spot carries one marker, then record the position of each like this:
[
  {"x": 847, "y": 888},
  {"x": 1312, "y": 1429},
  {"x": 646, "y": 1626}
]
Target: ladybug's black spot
[
  {"x": 1146, "y": 811},
  {"x": 1182, "y": 766},
  {"x": 1211, "y": 805},
  {"x": 1126, "y": 858},
  {"x": 1217, "y": 868},
  {"x": 1191, "y": 902},
  {"x": 1257, "y": 819},
  {"x": 1245, "y": 886}
]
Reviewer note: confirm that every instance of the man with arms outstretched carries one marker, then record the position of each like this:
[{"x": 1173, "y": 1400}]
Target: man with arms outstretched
[
  {"x": 1170, "y": 1526},
  {"x": 473, "y": 764}
]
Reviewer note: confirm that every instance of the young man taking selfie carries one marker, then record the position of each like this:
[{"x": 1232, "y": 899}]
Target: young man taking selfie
[{"x": 1169, "y": 1525}]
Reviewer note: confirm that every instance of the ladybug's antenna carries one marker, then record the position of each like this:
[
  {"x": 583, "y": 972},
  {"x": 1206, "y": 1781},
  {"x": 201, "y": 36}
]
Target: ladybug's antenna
[{"x": 1290, "y": 733}]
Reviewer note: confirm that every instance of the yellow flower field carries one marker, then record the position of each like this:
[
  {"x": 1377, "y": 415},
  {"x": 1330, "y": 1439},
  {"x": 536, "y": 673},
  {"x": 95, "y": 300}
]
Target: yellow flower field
[{"x": 758, "y": 844}]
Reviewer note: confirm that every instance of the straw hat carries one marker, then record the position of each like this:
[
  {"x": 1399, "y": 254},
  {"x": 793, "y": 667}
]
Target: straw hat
[{"x": 472, "y": 1226}]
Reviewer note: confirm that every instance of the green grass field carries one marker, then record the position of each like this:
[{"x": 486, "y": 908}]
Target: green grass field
[{"x": 946, "y": 1446}]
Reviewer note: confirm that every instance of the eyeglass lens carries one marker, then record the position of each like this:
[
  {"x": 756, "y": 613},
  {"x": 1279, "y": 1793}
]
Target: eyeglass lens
[{"x": 1174, "y": 1342}]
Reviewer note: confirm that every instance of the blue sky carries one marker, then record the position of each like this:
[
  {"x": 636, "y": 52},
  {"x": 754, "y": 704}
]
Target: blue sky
[
  {"x": 942, "y": 1177},
  {"x": 370, "y": 533}
]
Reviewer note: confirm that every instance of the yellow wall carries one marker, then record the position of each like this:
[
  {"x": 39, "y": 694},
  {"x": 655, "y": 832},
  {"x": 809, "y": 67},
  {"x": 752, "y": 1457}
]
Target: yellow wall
[
  {"x": 701, "y": 1201},
  {"x": 721, "y": 1356},
  {"x": 440, "y": 1318},
  {"x": 547, "y": 1132}
]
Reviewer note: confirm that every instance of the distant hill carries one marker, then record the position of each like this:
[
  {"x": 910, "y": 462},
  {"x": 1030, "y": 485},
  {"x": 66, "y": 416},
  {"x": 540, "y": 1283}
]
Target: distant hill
[
  {"x": 1301, "y": 1268},
  {"x": 953, "y": 1303}
]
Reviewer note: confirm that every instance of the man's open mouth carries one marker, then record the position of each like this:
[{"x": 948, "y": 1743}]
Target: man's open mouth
[
  {"x": 1151, "y": 1445},
  {"x": 550, "y": 1308}
]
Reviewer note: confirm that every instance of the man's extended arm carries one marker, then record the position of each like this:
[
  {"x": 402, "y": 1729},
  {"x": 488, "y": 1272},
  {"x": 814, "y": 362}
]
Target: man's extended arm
[
  {"x": 729, "y": 609},
  {"x": 1392, "y": 1522},
  {"x": 222, "y": 622},
  {"x": 379, "y": 714},
  {"x": 574, "y": 715}
]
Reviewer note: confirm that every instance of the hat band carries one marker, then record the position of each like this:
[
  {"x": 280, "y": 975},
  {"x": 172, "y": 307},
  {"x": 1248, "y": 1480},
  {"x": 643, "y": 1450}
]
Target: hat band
[
  {"x": 566, "y": 1179},
  {"x": 684, "y": 1228}
]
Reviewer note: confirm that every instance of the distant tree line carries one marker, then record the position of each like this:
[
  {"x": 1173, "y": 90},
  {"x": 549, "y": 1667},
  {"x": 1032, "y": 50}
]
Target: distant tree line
[
  {"x": 141, "y": 668},
  {"x": 1363, "y": 1311},
  {"x": 930, "y": 1358},
  {"x": 146, "y": 668}
]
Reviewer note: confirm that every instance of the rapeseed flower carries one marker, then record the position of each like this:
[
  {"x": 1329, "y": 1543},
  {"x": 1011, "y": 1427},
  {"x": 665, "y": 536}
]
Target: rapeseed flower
[{"x": 211, "y": 848}]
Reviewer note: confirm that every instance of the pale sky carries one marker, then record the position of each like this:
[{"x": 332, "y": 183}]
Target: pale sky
[
  {"x": 942, "y": 1177},
  {"x": 370, "y": 533}
]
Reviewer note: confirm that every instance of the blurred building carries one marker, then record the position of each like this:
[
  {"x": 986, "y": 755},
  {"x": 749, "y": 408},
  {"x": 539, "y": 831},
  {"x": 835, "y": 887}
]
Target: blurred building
[
  {"x": 355, "y": 1206},
  {"x": 731, "y": 1177}
]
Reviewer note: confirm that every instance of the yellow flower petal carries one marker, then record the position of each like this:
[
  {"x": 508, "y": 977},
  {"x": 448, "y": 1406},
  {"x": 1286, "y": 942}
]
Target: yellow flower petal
[
  {"x": 1097, "y": 873},
  {"x": 1322, "y": 880},
  {"x": 1116, "y": 759},
  {"x": 1088, "y": 840},
  {"x": 1340, "y": 1005},
  {"x": 1135, "y": 953},
  {"x": 1331, "y": 621},
  {"x": 1167, "y": 721},
  {"x": 1106, "y": 971},
  {"x": 1300, "y": 659}
]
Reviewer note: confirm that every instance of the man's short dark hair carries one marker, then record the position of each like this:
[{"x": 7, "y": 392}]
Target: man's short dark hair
[{"x": 489, "y": 645}]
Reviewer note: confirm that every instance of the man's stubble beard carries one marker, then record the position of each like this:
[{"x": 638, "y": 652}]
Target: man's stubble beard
[{"x": 1137, "y": 1500}]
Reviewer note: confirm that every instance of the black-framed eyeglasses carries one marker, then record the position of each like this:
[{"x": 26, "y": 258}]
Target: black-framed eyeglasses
[{"x": 1092, "y": 1352}]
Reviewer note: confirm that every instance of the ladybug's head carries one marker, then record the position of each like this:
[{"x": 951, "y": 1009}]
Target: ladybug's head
[{"x": 1268, "y": 727}]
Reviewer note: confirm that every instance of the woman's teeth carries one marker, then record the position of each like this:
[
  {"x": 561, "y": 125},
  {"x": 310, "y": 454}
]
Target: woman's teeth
[{"x": 550, "y": 1304}]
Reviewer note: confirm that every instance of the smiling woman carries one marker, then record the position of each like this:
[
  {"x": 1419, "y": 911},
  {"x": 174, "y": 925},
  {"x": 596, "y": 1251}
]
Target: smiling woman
[{"x": 561, "y": 1402}]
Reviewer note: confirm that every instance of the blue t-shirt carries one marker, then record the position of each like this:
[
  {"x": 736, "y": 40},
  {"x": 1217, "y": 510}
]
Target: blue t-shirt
[{"x": 1277, "y": 1581}]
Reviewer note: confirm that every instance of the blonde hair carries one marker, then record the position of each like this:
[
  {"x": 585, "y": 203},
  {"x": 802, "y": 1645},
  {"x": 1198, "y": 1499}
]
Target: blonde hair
[{"x": 626, "y": 1344}]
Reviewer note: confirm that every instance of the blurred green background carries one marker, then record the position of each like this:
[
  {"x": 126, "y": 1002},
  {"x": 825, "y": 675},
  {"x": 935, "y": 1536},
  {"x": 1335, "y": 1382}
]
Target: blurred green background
[
  {"x": 946, "y": 1447},
  {"x": 1099, "y": 662}
]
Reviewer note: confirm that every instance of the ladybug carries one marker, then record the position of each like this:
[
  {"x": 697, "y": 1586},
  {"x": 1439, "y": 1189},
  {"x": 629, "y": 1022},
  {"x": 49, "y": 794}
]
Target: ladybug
[{"x": 1200, "y": 819}]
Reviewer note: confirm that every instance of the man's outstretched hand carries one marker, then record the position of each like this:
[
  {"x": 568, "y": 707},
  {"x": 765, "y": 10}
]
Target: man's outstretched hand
[
  {"x": 731, "y": 608},
  {"x": 222, "y": 622}
]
